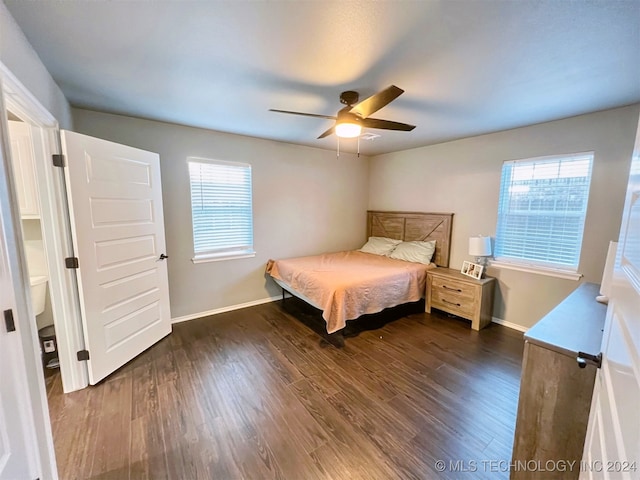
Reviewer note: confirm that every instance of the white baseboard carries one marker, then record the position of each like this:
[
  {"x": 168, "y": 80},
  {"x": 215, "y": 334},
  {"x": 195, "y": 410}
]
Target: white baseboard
[
  {"x": 230, "y": 308},
  {"x": 504, "y": 323}
]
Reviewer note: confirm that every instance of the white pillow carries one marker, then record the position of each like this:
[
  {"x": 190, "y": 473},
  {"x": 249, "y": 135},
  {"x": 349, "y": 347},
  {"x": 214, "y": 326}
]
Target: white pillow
[
  {"x": 419, "y": 252},
  {"x": 380, "y": 245}
]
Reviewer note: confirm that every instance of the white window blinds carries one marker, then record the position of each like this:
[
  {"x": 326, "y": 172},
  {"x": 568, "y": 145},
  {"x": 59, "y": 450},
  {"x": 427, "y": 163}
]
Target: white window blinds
[
  {"x": 221, "y": 208},
  {"x": 542, "y": 209}
]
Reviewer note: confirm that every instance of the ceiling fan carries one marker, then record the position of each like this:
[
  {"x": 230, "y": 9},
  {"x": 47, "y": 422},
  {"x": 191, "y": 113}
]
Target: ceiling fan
[{"x": 350, "y": 120}]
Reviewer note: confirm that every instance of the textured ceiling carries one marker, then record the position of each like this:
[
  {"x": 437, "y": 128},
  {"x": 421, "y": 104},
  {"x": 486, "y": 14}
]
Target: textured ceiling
[{"x": 467, "y": 67}]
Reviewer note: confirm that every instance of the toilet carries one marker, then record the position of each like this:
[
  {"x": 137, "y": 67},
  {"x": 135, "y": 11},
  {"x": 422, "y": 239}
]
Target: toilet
[
  {"x": 47, "y": 334},
  {"x": 38, "y": 293}
]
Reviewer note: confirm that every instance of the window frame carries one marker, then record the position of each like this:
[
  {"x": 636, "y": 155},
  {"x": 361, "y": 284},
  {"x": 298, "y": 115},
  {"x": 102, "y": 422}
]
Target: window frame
[
  {"x": 232, "y": 252},
  {"x": 539, "y": 266}
]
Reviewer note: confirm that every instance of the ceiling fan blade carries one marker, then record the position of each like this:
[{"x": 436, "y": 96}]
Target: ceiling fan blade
[
  {"x": 327, "y": 133},
  {"x": 386, "y": 124},
  {"x": 304, "y": 114},
  {"x": 375, "y": 102}
]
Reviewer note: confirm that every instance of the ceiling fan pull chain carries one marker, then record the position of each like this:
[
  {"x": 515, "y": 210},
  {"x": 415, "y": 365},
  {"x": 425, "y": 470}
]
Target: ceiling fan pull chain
[
  {"x": 358, "y": 146},
  {"x": 338, "y": 154}
]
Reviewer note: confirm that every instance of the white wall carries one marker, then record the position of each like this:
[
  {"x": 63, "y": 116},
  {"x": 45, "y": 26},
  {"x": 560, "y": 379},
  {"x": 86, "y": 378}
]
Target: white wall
[
  {"x": 305, "y": 201},
  {"x": 463, "y": 177},
  {"x": 17, "y": 54}
]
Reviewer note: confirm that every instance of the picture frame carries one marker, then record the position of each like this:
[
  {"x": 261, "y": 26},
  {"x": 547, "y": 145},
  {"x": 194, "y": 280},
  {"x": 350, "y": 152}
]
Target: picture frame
[{"x": 472, "y": 270}]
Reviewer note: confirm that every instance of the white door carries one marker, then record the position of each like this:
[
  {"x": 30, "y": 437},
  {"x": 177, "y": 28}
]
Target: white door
[
  {"x": 612, "y": 446},
  {"x": 17, "y": 430},
  {"x": 115, "y": 202}
]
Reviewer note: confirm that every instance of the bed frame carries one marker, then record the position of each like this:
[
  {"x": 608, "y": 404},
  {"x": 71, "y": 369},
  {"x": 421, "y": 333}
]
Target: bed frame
[
  {"x": 405, "y": 226},
  {"x": 412, "y": 226}
]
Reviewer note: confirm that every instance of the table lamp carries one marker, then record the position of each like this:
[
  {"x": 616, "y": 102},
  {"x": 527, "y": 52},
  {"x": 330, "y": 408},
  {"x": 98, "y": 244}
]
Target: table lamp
[{"x": 480, "y": 248}]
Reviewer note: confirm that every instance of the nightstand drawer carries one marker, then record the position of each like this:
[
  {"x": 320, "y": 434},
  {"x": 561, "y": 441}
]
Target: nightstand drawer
[
  {"x": 453, "y": 303},
  {"x": 452, "y": 288}
]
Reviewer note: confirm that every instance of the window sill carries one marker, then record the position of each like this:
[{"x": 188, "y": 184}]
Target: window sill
[
  {"x": 550, "y": 272},
  {"x": 217, "y": 257}
]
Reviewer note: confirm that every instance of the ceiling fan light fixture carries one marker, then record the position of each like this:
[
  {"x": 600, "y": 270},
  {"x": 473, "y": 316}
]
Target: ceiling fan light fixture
[
  {"x": 348, "y": 130},
  {"x": 350, "y": 120}
]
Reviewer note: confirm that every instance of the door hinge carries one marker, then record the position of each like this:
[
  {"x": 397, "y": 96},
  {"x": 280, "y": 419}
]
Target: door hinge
[
  {"x": 83, "y": 355},
  {"x": 8, "y": 321},
  {"x": 586, "y": 358},
  {"x": 58, "y": 160},
  {"x": 71, "y": 262}
]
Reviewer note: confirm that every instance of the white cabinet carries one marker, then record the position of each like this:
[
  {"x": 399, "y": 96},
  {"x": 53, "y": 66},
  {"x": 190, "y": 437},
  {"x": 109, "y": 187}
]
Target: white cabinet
[{"x": 24, "y": 169}]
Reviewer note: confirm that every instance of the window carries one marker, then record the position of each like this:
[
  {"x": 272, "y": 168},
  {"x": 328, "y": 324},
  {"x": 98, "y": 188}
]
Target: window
[
  {"x": 221, "y": 209},
  {"x": 541, "y": 211}
]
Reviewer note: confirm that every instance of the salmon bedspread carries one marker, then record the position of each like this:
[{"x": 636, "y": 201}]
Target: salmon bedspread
[{"x": 346, "y": 285}]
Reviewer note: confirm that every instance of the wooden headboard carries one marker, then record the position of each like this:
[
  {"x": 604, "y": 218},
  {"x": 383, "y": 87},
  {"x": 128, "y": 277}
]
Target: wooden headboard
[{"x": 411, "y": 226}]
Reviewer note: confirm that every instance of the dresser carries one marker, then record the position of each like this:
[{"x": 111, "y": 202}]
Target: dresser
[
  {"x": 452, "y": 292},
  {"x": 555, "y": 394}
]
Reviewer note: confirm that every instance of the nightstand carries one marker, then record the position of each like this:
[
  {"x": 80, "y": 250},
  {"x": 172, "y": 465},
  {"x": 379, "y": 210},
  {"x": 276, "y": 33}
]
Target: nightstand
[{"x": 452, "y": 292}]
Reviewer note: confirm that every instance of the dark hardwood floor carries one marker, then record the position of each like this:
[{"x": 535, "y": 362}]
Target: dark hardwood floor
[{"x": 258, "y": 393}]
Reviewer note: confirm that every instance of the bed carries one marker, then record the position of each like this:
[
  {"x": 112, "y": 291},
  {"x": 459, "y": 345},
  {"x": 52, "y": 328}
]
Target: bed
[{"x": 347, "y": 285}]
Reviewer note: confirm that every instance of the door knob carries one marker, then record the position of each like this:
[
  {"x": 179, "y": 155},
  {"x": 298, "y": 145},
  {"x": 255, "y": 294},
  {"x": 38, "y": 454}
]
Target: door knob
[{"x": 163, "y": 256}]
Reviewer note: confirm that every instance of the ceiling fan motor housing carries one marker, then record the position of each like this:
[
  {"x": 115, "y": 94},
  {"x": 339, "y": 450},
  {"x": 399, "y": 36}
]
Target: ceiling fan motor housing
[{"x": 349, "y": 97}]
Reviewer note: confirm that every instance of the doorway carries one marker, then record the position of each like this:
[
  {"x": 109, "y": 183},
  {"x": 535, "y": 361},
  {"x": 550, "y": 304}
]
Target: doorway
[
  {"x": 102, "y": 234},
  {"x": 46, "y": 239},
  {"x": 131, "y": 254},
  {"x": 23, "y": 166}
]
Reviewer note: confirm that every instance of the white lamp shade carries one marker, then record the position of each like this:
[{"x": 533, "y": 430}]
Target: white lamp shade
[{"x": 480, "y": 246}]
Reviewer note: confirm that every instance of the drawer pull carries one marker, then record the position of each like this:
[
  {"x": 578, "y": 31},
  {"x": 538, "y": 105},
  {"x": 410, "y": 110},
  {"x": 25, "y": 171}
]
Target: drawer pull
[
  {"x": 451, "y": 303},
  {"x": 452, "y": 289},
  {"x": 586, "y": 358}
]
